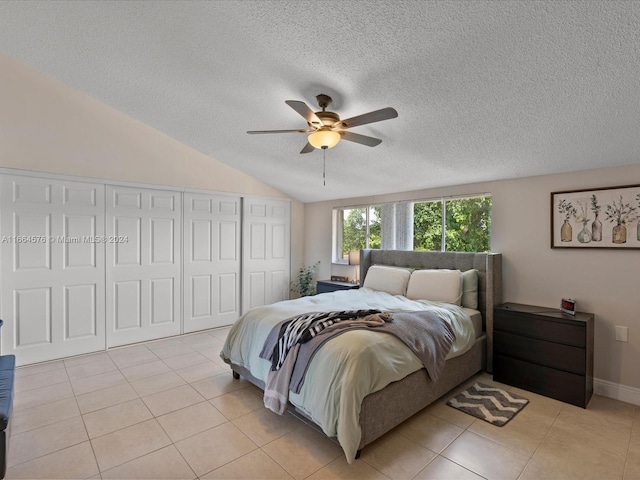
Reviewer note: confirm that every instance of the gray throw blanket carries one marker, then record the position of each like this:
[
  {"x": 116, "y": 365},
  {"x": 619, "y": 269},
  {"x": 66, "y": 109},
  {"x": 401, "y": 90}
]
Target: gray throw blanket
[
  {"x": 302, "y": 328},
  {"x": 276, "y": 389},
  {"x": 427, "y": 335}
]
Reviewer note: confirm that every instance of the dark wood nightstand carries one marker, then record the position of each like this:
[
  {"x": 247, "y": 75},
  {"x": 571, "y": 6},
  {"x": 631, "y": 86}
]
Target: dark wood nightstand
[
  {"x": 325, "y": 286},
  {"x": 544, "y": 351}
]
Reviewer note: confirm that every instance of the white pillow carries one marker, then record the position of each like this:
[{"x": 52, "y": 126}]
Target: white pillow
[
  {"x": 387, "y": 279},
  {"x": 436, "y": 285}
]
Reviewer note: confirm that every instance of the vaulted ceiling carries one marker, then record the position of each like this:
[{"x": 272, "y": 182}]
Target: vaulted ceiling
[{"x": 485, "y": 90}]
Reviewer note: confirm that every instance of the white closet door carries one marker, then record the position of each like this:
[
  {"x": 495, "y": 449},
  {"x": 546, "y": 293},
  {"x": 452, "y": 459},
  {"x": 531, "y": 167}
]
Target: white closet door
[
  {"x": 211, "y": 261},
  {"x": 143, "y": 264},
  {"x": 266, "y": 226},
  {"x": 52, "y": 268}
]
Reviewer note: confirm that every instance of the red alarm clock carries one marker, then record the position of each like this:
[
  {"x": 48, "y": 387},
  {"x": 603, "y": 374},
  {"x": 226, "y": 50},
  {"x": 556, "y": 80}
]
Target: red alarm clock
[{"x": 568, "y": 306}]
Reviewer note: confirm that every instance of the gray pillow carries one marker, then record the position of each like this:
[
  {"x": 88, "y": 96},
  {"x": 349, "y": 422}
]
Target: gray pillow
[{"x": 470, "y": 289}]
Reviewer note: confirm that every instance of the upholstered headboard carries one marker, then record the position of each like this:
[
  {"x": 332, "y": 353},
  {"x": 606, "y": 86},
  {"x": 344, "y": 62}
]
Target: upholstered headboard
[{"x": 489, "y": 266}]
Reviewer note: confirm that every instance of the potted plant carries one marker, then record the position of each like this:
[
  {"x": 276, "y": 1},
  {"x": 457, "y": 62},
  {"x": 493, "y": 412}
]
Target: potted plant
[
  {"x": 584, "y": 236},
  {"x": 303, "y": 284},
  {"x": 568, "y": 210},
  {"x": 596, "y": 226},
  {"x": 638, "y": 227},
  {"x": 622, "y": 214}
]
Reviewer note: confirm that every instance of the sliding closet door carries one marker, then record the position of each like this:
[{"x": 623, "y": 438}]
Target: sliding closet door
[
  {"x": 143, "y": 264},
  {"x": 266, "y": 227},
  {"x": 52, "y": 267},
  {"x": 211, "y": 261}
]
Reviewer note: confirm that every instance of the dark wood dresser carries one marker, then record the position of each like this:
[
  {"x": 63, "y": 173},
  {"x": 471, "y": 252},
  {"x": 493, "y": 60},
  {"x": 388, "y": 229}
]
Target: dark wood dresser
[
  {"x": 325, "y": 286},
  {"x": 544, "y": 351}
]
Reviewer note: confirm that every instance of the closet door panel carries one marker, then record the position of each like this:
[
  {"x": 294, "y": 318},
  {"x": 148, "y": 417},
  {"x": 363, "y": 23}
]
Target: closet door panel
[
  {"x": 162, "y": 295},
  {"x": 127, "y": 252},
  {"x": 257, "y": 290},
  {"x": 79, "y": 254},
  {"x": 143, "y": 264},
  {"x": 211, "y": 261},
  {"x": 228, "y": 293},
  {"x": 127, "y": 305},
  {"x": 266, "y": 249},
  {"x": 80, "y": 316},
  {"x": 52, "y": 267},
  {"x": 30, "y": 237},
  {"x": 32, "y": 307},
  {"x": 201, "y": 297}
]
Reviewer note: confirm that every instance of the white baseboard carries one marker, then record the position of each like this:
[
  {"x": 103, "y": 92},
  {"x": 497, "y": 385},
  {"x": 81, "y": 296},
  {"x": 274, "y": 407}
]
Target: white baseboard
[{"x": 616, "y": 391}]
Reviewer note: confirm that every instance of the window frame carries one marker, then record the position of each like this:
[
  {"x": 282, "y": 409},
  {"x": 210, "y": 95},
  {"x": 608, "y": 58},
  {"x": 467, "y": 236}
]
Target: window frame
[
  {"x": 338, "y": 220},
  {"x": 338, "y": 233}
]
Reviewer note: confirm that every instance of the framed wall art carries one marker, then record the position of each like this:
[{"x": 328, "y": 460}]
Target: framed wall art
[{"x": 596, "y": 218}]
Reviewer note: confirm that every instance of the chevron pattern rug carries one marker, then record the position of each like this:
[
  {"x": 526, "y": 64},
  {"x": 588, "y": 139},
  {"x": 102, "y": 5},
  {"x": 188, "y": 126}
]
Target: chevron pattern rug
[{"x": 488, "y": 403}]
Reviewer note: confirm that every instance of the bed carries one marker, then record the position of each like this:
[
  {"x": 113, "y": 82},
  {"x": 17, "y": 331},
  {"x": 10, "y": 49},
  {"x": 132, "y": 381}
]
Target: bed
[{"x": 355, "y": 412}]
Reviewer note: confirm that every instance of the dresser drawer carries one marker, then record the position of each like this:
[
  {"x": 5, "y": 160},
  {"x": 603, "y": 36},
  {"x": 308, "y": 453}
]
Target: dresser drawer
[
  {"x": 549, "y": 354},
  {"x": 568, "y": 333},
  {"x": 563, "y": 386}
]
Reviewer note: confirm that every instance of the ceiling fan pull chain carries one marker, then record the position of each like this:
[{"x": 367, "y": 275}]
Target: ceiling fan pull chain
[{"x": 324, "y": 166}]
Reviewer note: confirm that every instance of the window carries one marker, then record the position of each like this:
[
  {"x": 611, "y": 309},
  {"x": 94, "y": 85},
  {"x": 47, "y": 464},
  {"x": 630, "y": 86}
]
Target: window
[
  {"x": 427, "y": 225},
  {"x": 355, "y": 228},
  {"x": 453, "y": 225},
  {"x": 445, "y": 224}
]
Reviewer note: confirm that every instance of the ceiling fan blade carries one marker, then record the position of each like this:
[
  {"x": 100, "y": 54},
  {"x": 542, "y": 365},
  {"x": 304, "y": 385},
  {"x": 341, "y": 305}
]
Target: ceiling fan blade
[
  {"x": 362, "y": 139},
  {"x": 371, "y": 117},
  {"x": 305, "y": 111},
  {"x": 308, "y": 148},
  {"x": 279, "y": 131}
]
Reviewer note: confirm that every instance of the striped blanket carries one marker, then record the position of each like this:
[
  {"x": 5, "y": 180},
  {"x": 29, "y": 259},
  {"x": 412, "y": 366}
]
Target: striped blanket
[
  {"x": 428, "y": 334},
  {"x": 302, "y": 328},
  {"x": 285, "y": 340}
]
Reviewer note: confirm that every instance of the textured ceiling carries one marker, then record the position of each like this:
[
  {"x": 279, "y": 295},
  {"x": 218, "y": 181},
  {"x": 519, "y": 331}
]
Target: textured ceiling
[{"x": 485, "y": 90}]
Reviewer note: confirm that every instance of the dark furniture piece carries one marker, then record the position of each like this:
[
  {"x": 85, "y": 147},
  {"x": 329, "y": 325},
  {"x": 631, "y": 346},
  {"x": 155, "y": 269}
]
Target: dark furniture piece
[
  {"x": 7, "y": 373},
  {"x": 325, "y": 286},
  {"x": 544, "y": 351}
]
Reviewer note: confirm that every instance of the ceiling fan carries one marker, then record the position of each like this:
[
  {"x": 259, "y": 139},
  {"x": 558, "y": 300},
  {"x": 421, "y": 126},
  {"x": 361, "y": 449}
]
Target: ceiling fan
[{"x": 326, "y": 129}]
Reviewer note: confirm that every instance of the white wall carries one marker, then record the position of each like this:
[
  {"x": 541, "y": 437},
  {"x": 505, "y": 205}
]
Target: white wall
[{"x": 604, "y": 282}]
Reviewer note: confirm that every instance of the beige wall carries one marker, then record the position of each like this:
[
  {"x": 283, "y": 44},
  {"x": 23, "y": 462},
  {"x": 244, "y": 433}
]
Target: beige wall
[
  {"x": 45, "y": 126},
  {"x": 604, "y": 282},
  {"x": 48, "y": 127}
]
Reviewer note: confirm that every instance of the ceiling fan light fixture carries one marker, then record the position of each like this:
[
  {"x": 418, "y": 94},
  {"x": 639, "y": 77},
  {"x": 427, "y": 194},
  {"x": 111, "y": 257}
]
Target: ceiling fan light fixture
[{"x": 324, "y": 139}]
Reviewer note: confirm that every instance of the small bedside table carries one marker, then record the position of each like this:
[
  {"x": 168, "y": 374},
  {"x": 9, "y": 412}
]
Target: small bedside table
[
  {"x": 325, "y": 286},
  {"x": 544, "y": 351}
]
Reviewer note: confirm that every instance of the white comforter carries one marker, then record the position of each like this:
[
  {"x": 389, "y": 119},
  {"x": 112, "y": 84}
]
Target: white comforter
[{"x": 350, "y": 366}]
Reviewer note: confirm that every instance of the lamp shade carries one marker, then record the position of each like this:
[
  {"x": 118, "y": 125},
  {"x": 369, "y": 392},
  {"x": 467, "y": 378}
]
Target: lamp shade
[
  {"x": 324, "y": 139},
  {"x": 354, "y": 257}
]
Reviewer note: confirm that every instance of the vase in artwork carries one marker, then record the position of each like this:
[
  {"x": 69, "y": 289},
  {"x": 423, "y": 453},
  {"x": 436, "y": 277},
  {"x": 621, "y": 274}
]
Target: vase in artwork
[
  {"x": 566, "y": 232},
  {"x": 584, "y": 235},
  {"x": 596, "y": 230},
  {"x": 619, "y": 234}
]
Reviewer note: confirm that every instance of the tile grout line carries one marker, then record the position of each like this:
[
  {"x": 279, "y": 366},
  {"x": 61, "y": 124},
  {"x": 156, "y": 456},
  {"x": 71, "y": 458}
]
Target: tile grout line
[
  {"x": 138, "y": 423},
  {"x": 540, "y": 443},
  {"x": 173, "y": 444},
  {"x": 75, "y": 397},
  {"x": 626, "y": 457}
]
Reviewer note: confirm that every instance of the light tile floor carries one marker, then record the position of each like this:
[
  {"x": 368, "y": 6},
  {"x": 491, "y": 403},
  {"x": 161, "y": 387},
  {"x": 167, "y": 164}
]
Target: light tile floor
[{"x": 171, "y": 410}]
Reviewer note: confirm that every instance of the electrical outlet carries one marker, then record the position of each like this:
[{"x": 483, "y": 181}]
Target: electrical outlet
[{"x": 622, "y": 333}]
